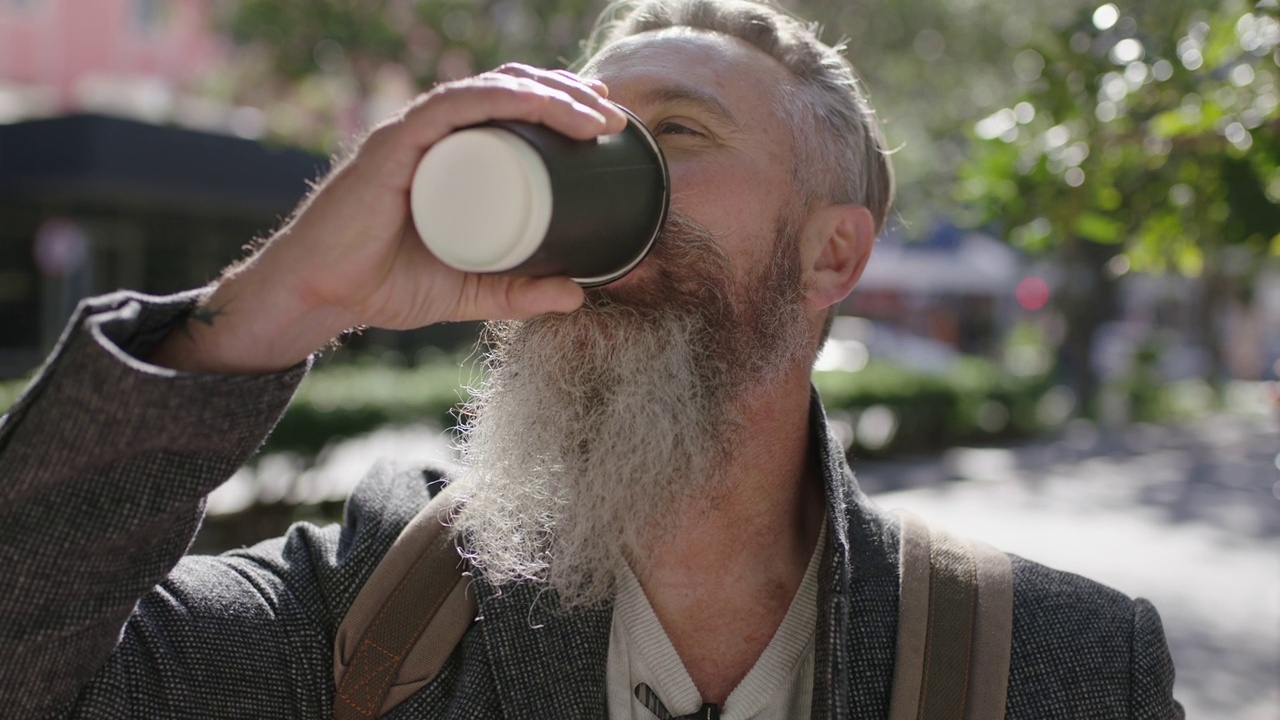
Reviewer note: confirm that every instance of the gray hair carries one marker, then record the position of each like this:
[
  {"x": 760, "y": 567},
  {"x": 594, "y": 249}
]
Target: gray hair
[{"x": 840, "y": 151}]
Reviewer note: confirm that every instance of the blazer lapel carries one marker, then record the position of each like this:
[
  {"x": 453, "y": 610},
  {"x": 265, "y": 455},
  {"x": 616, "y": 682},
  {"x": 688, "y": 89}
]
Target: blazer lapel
[
  {"x": 547, "y": 662},
  {"x": 858, "y": 591}
]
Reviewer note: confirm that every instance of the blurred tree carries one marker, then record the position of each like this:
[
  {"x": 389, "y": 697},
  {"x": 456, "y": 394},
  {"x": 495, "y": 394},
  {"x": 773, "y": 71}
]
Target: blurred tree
[
  {"x": 318, "y": 67},
  {"x": 1149, "y": 141},
  {"x": 1144, "y": 130},
  {"x": 932, "y": 66}
]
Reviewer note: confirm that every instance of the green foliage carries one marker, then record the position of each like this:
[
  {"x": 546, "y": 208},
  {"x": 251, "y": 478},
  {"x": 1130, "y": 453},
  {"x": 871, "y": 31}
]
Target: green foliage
[
  {"x": 1153, "y": 128},
  {"x": 324, "y": 69},
  {"x": 932, "y": 411},
  {"x": 1173, "y": 147},
  {"x": 347, "y": 400},
  {"x": 931, "y": 66},
  {"x": 9, "y": 392},
  {"x": 974, "y": 401},
  {"x": 309, "y": 35},
  {"x": 1150, "y": 141}
]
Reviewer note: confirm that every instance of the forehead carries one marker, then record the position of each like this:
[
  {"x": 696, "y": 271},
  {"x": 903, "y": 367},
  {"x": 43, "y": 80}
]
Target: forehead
[{"x": 738, "y": 74}]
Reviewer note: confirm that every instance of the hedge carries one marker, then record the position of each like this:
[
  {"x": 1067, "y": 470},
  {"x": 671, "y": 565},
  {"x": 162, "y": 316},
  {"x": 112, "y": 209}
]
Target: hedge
[
  {"x": 341, "y": 401},
  {"x": 933, "y": 411},
  {"x": 974, "y": 401}
]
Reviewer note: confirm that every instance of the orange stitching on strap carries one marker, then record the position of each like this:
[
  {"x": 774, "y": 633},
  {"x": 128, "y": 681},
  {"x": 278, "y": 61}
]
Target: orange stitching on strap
[
  {"x": 364, "y": 678},
  {"x": 350, "y": 684}
]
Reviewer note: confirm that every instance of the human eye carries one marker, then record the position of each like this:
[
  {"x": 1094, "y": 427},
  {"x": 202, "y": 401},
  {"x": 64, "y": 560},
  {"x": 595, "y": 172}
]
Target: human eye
[{"x": 674, "y": 127}]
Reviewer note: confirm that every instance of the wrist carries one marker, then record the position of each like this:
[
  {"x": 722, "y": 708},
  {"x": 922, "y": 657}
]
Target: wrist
[{"x": 247, "y": 327}]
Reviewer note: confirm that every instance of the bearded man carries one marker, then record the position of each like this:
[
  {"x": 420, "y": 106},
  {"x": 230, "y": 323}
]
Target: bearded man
[{"x": 648, "y": 494}]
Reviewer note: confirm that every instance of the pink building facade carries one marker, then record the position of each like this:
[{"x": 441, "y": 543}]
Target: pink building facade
[{"x": 60, "y": 56}]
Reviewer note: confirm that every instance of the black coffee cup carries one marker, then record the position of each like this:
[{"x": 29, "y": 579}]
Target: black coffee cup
[{"x": 520, "y": 198}]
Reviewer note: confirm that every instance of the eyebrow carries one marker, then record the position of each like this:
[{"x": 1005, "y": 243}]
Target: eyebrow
[{"x": 685, "y": 95}]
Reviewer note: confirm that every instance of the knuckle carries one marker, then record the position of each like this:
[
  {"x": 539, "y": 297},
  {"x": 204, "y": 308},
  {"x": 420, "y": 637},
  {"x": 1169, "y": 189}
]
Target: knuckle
[
  {"x": 514, "y": 68},
  {"x": 381, "y": 134},
  {"x": 526, "y": 92},
  {"x": 560, "y": 96},
  {"x": 448, "y": 94},
  {"x": 409, "y": 109},
  {"x": 440, "y": 92}
]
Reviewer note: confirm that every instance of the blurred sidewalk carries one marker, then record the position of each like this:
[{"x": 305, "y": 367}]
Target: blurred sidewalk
[{"x": 1188, "y": 517}]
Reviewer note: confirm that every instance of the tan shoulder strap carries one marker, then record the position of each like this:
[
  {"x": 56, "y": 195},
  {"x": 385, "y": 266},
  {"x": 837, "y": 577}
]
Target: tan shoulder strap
[
  {"x": 993, "y": 633},
  {"x": 408, "y": 618},
  {"x": 955, "y": 623}
]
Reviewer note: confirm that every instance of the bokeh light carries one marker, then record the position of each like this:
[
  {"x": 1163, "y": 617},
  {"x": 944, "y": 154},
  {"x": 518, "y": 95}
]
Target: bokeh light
[
  {"x": 1105, "y": 17},
  {"x": 1032, "y": 293}
]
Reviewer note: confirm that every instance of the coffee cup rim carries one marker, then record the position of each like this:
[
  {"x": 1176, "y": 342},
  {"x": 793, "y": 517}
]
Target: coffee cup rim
[{"x": 635, "y": 124}]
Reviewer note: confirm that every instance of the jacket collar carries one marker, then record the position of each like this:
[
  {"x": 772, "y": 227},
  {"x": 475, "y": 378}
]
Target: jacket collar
[
  {"x": 547, "y": 663},
  {"x": 858, "y": 590},
  {"x": 550, "y": 663}
]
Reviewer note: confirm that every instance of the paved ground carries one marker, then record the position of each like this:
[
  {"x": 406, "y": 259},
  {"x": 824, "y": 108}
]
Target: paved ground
[{"x": 1188, "y": 517}]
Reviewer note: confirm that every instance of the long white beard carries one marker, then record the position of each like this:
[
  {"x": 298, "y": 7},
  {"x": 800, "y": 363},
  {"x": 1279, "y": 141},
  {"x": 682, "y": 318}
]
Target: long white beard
[{"x": 592, "y": 428}]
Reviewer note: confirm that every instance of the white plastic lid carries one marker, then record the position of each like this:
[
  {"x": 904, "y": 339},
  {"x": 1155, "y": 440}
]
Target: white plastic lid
[{"x": 481, "y": 200}]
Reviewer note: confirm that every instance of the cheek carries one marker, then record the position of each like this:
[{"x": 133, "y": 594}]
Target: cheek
[{"x": 731, "y": 201}]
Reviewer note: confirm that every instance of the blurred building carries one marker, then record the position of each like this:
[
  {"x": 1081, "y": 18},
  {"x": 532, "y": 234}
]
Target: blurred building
[
  {"x": 957, "y": 290},
  {"x": 1162, "y": 315},
  {"x": 954, "y": 286},
  {"x": 121, "y": 57},
  {"x": 91, "y": 204},
  {"x": 94, "y": 195},
  {"x": 115, "y": 172}
]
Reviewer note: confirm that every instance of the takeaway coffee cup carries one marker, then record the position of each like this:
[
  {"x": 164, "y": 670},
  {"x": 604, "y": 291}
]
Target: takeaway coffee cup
[{"x": 520, "y": 198}]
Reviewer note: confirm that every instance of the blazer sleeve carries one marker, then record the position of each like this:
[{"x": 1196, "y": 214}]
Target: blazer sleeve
[
  {"x": 1151, "y": 672},
  {"x": 104, "y": 465}
]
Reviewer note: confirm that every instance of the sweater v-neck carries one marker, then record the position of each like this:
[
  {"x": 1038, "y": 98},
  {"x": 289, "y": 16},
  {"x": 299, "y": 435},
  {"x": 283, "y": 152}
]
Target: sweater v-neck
[{"x": 779, "y": 684}]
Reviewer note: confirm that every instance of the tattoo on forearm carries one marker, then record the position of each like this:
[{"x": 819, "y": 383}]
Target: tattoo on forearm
[{"x": 203, "y": 314}]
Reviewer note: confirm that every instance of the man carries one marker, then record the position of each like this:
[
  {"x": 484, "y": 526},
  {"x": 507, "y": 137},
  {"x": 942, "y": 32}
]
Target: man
[{"x": 648, "y": 491}]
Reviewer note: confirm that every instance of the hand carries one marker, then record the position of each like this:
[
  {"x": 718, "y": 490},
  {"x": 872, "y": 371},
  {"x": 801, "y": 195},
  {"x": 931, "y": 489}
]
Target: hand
[{"x": 351, "y": 255}]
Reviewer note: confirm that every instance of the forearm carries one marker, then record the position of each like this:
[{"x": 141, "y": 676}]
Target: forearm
[
  {"x": 252, "y": 321},
  {"x": 104, "y": 464}
]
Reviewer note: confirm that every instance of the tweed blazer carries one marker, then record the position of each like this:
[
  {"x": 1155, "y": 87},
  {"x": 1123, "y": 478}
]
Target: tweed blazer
[{"x": 104, "y": 464}]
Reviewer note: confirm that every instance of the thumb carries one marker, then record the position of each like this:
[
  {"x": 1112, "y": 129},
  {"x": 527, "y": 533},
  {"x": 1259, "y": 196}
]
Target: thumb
[{"x": 527, "y": 297}]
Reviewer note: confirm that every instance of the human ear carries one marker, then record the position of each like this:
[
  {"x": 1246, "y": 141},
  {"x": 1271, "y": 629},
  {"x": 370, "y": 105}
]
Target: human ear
[{"x": 837, "y": 244}]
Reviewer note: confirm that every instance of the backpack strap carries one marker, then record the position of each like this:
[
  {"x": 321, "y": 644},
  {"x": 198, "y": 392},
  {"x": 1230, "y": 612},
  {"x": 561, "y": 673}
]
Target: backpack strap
[
  {"x": 409, "y": 616},
  {"x": 955, "y": 622}
]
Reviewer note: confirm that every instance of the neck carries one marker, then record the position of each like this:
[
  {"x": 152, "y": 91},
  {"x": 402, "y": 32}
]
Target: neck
[
  {"x": 721, "y": 580},
  {"x": 769, "y": 503}
]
